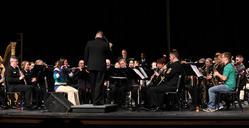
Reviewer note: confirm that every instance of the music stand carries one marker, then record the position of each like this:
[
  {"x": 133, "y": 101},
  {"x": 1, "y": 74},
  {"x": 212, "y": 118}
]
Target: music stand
[
  {"x": 192, "y": 70},
  {"x": 142, "y": 76}
]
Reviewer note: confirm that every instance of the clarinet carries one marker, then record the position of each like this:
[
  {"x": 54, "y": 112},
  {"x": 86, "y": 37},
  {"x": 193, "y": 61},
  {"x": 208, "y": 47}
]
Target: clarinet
[{"x": 21, "y": 73}]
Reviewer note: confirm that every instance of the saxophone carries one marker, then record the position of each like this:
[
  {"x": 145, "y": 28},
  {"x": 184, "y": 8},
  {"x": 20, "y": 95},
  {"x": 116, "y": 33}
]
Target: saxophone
[
  {"x": 157, "y": 77},
  {"x": 214, "y": 79},
  {"x": 153, "y": 77}
]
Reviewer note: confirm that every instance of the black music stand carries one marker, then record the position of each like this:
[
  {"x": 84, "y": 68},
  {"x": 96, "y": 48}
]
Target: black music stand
[
  {"x": 118, "y": 76},
  {"x": 142, "y": 76},
  {"x": 192, "y": 70}
]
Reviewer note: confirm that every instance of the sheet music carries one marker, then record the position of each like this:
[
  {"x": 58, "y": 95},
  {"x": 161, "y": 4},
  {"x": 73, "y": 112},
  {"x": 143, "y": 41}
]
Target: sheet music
[
  {"x": 197, "y": 72},
  {"x": 143, "y": 72},
  {"x": 139, "y": 73}
]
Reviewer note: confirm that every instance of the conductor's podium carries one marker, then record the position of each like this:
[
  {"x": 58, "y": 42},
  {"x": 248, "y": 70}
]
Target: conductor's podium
[{"x": 89, "y": 108}]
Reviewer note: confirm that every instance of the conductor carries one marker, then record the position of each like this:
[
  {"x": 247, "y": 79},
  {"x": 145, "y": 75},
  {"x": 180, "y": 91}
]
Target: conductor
[{"x": 96, "y": 53}]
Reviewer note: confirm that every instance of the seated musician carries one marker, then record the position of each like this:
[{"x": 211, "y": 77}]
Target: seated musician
[
  {"x": 143, "y": 60},
  {"x": 158, "y": 73},
  {"x": 155, "y": 95},
  {"x": 16, "y": 82},
  {"x": 207, "y": 71},
  {"x": 131, "y": 64},
  {"x": 2, "y": 70},
  {"x": 241, "y": 70},
  {"x": 124, "y": 55},
  {"x": 228, "y": 76},
  {"x": 109, "y": 70},
  {"x": 120, "y": 87},
  {"x": 219, "y": 66},
  {"x": 61, "y": 85},
  {"x": 66, "y": 71},
  {"x": 31, "y": 79},
  {"x": 82, "y": 78},
  {"x": 239, "y": 66},
  {"x": 41, "y": 72}
]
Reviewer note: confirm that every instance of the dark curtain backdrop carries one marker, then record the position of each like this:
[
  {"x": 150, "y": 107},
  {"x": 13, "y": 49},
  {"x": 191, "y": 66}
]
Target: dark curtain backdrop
[{"x": 199, "y": 28}]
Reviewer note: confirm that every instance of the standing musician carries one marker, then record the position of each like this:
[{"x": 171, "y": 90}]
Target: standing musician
[{"x": 155, "y": 95}]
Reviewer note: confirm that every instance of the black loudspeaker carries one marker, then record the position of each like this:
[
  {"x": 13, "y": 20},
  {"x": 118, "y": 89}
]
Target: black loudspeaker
[{"x": 57, "y": 102}]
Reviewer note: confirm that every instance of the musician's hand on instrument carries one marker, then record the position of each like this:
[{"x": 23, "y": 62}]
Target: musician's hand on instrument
[
  {"x": 79, "y": 68},
  {"x": 70, "y": 74},
  {"x": 110, "y": 45},
  {"x": 105, "y": 83},
  {"x": 216, "y": 73},
  {"x": 209, "y": 77},
  {"x": 21, "y": 77},
  {"x": 87, "y": 71},
  {"x": 157, "y": 74},
  {"x": 33, "y": 80},
  {"x": 46, "y": 65},
  {"x": 215, "y": 70}
]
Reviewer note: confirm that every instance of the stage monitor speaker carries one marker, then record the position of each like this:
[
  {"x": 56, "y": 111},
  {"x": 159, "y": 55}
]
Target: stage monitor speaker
[{"x": 57, "y": 102}]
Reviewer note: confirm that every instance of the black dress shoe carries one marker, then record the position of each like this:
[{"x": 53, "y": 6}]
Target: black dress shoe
[
  {"x": 97, "y": 104},
  {"x": 156, "y": 109}
]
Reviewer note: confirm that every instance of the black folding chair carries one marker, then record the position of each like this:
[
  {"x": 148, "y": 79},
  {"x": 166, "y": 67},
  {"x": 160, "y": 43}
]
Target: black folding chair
[
  {"x": 234, "y": 94},
  {"x": 177, "y": 93}
]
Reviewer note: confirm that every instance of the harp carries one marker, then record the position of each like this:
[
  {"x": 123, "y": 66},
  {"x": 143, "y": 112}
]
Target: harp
[{"x": 9, "y": 51}]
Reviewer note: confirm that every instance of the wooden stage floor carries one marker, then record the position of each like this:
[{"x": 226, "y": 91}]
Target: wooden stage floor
[{"x": 16, "y": 118}]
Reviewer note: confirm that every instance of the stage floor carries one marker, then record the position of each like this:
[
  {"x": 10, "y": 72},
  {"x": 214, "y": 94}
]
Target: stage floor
[{"x": 128, "y": 118}]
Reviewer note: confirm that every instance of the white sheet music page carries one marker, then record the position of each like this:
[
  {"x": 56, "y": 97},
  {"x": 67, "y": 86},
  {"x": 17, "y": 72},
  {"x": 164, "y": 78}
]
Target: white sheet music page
[
  {"x": 143, "y": 72},
  {"x": 197, "y": 72},
  {"x": 139, "y": 73}
]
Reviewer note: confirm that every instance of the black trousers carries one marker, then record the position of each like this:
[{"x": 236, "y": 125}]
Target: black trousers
[
  {"x": 2, "y": 93},
  {"x": 37, "y": 95},
  {"x": 118, "y": 93},
  {"x": 155, "y": 95},
  {"x": 26, "y": 89},
  {"x": 97, "y": 85}
]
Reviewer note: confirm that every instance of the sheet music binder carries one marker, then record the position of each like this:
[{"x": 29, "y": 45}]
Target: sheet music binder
[
  {"x": 141, "y": 76},
  {"x": 192, "y": 70},
  {"x": 196, "y": 70},
  {"x": 143, "y": 72}
]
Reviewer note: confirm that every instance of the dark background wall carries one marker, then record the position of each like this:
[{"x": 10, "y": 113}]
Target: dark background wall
[{"x": 198, "y": 28}]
